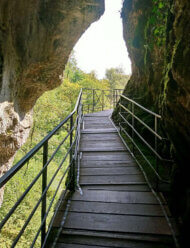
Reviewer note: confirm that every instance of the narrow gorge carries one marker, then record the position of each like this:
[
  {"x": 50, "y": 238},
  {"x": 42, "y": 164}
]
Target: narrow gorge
[{"x": 36, "y": 38}]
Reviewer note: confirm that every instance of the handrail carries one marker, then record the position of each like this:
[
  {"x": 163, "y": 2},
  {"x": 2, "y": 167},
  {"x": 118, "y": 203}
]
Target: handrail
[
  {"x": 142, "y": 122},
  {"x": 101, "y": 89},
  {"x": 72, "y": 151},
  {"x": 140, "y": 106},
  {"x": 97, "y": 100},
  {"x": 10, "y": 173},
  {"x": 130, "y": 126}
]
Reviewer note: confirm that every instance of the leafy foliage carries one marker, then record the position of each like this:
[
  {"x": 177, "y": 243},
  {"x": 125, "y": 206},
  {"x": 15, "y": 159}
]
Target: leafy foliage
[
  {"x": 116, "y": 78},
  {"x": 158, "y": 20}
]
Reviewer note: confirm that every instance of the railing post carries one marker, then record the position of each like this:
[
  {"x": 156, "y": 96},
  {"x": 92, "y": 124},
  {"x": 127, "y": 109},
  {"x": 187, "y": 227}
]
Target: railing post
[
  {"x": 44, "y": 185},
  {"x": 119, "y": 115},
  {"x": 156, "y": 148},
  {"x": 72, "y": 169},
  {"x": 93, "y": 100},
  {"x": 71, "y": 138},
  {"x": 133, "y": 123},
  {"x": 102, "y": 100},
  {"x": 113, "y": 96}
]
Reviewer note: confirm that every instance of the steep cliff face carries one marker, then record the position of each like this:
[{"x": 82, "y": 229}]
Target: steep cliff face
[
  {"x": 36, "y": 38},
  {"x": 158, "y": 40}
]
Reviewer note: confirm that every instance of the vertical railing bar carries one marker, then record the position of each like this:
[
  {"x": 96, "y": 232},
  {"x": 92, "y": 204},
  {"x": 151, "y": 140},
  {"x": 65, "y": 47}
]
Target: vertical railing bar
[
  {"x": 71, "y": 173},
  {"x": 102, "y": 100},
  {"x": 93, "y": 99},
  {"x": 44, "y": 185},
  {"x": 156, "y": 148},
  {"x": 71, "y": 137},
  {"x": 113, "y": 99},
  {"x": 133, "y": 122}
]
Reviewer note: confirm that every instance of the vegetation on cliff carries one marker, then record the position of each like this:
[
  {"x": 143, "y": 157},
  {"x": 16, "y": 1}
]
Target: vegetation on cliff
[{"x": 157, "y": 36}]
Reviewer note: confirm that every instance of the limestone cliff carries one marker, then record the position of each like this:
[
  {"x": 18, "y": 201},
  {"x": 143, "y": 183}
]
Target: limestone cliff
[
  {"x": 158, "y": 40},
  {"x": 36, "y": 38}
]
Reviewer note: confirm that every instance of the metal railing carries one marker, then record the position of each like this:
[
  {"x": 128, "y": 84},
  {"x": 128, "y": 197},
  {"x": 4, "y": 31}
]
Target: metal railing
[
  {"x": 100, "y": 99},
  {"x": 89, "y": 100},
  {"x": 132, "y": 126},
  {"x": 95, "y": 100},
  {"x": 74, "y": 118}
]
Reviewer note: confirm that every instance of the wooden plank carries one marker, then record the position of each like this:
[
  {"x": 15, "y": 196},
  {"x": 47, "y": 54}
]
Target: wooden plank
[
  {"x": 105, "y": 163},
  {"x": 110, "y": 242},
  {"x": 103, "y": 130},
  {"x": 99, "y": 156},
  {"x": 110, "y": 171},
  {"x": 120, "y": 154},
  {"x": 116, "y": 208},
  {"x": 122, "y": 187},
  {"x": 100, "y": 137},
  {"x": 97, "y": 126},
  {"x": 98, "y": 121},
  {"x": 100, "y": 113},
  {"x": 126, "y": 237},
  {"x": 103, "y": 144},
  {"x": 86, "y": 118},
  {"x": 118, "y": 223},
  {"x": 72, "y": 245},
  {"x": 115, "y": 196},
  {"x": 97, "y": 117},
  {"x": 108, "y": 124},
  {"x": 102, "y": 149},
  {"x": 112, "y": 179}
]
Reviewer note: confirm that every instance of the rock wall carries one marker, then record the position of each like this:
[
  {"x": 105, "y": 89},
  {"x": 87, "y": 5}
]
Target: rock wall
[
  {"x": 157, "y": 34},
  {"x": 36, "y": 38}
]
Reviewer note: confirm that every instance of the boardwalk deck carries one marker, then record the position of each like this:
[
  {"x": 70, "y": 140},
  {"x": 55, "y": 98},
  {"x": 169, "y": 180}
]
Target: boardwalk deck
[{"x": 116, "y": 207}]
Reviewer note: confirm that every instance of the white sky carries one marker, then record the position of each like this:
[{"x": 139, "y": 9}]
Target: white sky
[{"x": 102, "y": 45}]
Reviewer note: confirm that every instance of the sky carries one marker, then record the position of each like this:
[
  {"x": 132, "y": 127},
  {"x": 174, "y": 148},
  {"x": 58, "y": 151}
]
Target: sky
[{"x": 102, "y": 45}]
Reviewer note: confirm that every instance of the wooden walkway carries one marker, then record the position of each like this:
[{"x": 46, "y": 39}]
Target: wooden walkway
[{"x": 116, "y": 207}]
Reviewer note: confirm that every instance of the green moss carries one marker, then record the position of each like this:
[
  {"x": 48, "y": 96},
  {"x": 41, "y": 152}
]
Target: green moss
[{"x": 168, "y": 70}]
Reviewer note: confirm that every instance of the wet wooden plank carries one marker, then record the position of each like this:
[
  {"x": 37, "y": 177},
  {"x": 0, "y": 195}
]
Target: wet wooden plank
[
  {"x": 115, "y": 187},
  {"x": 110, "y": 242},
  {"x": 102, "y": 146},
  {"x": 110, "y": 171},
  {"x": 100, "y": 137},
  {"x": 117, "y": 197},
  {"x": 105, "y": 130},
  {"x": 127, "y": 237},
  {"x": 98, "y": 126},
  {"x": 112, "y": 179},
  {"x": 102, "y": 149},
  {"x": 118, "y": 223},
  {"x": 95, "y": 117},
  {"x": 72, "y": 245},
  {"x": 107, "y": 163},
  {"x": 109, "y": 156},
  {"x": 104, "y": 143},
  {"x": 103, "y": 113},
  {"x": 116, "y": 208},
  {"x": 98, "y": 121}
]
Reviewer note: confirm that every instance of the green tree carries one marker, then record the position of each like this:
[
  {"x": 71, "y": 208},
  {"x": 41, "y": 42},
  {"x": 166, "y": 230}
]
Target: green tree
[
  {"x": 116, "y": 78},
  {"x": 72, "y": 71}
]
